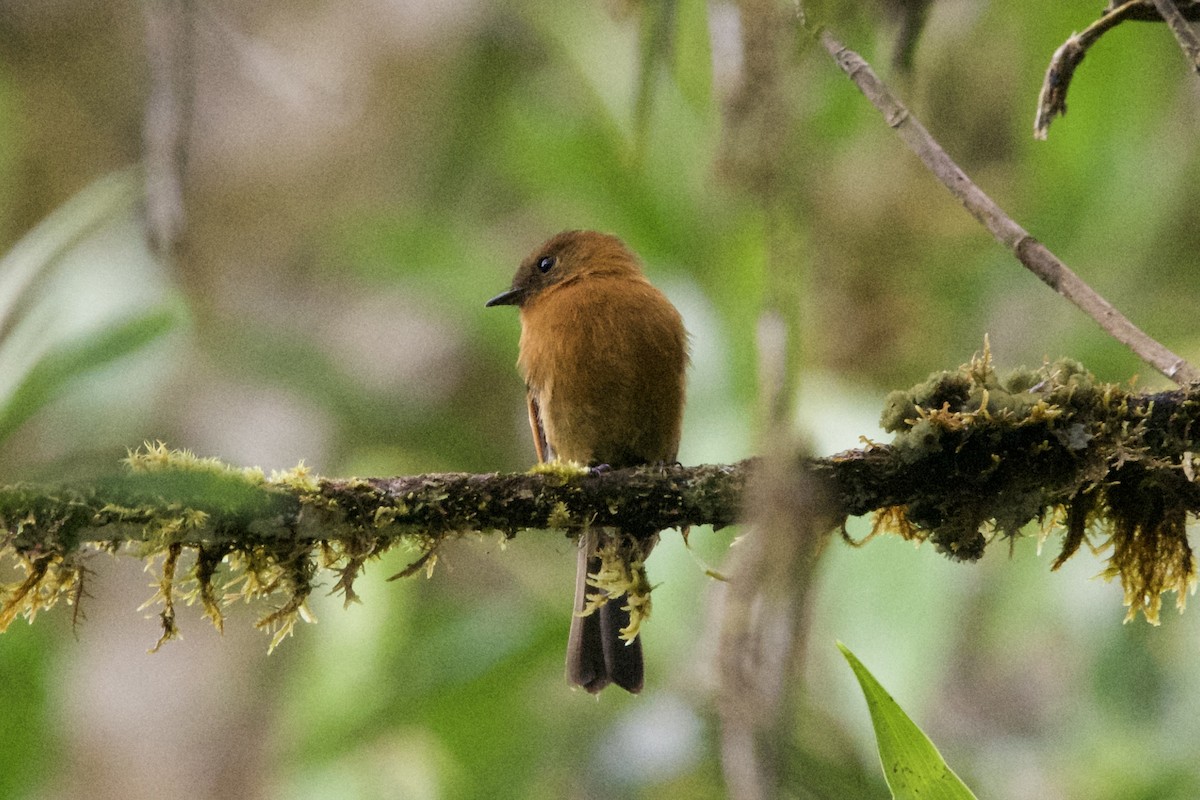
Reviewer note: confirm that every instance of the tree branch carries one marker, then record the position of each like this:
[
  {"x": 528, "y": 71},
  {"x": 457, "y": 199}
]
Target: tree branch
[
  {"x": 1052, "y": 100},
  {"x": 975, "y": 457},
  {"x": 1145, "y": 10},
  {"x": 1030, "y": 252}
]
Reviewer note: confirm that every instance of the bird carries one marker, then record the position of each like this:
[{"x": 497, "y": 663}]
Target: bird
[{"x": 604, "y": 356}]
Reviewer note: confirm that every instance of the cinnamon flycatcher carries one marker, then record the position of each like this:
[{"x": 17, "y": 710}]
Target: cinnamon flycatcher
[{"x": 603, "y": 354}]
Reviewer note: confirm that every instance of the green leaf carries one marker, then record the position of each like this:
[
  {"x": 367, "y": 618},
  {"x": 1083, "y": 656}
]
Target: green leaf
[
  {"x": 39, "y": 354},
  {"x": 91, "y": 209},
  {"x": 71, "y": 360},
  {"x": 912, "y": 766}
]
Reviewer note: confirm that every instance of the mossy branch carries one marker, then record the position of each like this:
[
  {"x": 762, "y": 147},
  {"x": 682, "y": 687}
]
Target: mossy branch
[
  {"x": 275, "y": 533},
  {"x": 976, "y": 457}
]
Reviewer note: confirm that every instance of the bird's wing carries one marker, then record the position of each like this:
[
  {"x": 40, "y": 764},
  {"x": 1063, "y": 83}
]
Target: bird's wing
[{"x": 540, "y": 444}]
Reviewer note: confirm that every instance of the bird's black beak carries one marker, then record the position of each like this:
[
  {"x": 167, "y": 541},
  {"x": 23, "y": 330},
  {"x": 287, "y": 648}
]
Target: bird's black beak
[{"x": 513, "y": 297}]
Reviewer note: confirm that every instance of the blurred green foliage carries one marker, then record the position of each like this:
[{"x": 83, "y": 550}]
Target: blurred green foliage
[
  {"x": 353, "y": 201},
  {"x": 29, "y": 739}
]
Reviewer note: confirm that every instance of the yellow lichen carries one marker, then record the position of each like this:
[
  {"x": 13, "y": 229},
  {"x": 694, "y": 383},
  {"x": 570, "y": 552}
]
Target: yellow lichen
[
  {"x": 154, "y": 457},
  {"x": 892, "y": 520},
  {"x": 165, "y": 594},
  {"x": 622, "y": 573},
  {"x": 300, "y": 477},
  {"x": 559, "y": 517},
  {"x": 563, "y": 470},
  {"x": 48, "y": 579}
]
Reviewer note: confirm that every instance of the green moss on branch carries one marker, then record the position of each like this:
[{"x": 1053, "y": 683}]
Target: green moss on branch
[
  {"x": 274, "y": 534},
  {"x": 976, "y": 457}
]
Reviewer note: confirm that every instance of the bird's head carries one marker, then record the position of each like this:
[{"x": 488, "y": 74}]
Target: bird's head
[{"x": 569, "y": 256}]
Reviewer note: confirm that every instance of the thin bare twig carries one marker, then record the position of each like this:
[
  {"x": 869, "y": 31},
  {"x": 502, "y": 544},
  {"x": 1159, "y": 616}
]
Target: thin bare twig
[
  {"x": 1182, "y": 29},
  {"x": 1052, "y": 100},
  {"x": 1028, "y": 250},
  {"x": 1146, "y": 12}
]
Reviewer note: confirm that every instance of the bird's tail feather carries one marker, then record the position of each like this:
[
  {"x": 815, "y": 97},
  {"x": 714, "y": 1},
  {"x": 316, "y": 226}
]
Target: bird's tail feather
[{"x": 596, "y": 653}]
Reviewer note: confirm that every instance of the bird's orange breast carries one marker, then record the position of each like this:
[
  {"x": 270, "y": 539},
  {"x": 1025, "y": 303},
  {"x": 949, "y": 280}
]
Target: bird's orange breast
[{"x": 604, "y": 358}]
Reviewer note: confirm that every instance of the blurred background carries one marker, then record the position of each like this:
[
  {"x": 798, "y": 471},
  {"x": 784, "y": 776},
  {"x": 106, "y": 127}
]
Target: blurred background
[{"x": 265, "y": 231}]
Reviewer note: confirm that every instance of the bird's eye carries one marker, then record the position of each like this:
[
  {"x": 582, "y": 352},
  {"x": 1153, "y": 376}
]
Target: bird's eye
[{"x": 545, "y": 263}]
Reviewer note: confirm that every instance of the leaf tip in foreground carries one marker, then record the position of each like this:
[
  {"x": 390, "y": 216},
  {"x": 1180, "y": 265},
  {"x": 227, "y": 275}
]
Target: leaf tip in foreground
[{"x": 912, "y": 765}]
